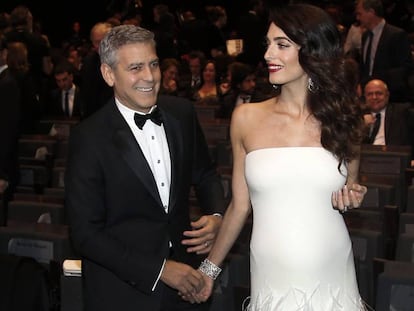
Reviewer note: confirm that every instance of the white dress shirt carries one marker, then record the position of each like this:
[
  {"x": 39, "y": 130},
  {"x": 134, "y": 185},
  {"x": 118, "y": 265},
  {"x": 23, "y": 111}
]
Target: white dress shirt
[{"x": 153, "y": 143}]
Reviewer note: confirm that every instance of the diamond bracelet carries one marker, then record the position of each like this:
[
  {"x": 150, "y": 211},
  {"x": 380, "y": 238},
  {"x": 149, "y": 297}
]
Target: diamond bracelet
[{"x": 209, "y": 269}]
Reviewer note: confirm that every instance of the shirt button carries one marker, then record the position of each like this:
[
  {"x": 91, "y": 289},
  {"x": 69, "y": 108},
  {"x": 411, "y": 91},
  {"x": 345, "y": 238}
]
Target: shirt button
[
  {"x": 152, "y": 137},
  {"x": 158, "y": 161},
  {"x": 162, "y": 184}
]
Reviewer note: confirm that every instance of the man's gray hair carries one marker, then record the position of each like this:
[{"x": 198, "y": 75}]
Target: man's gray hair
[{"x": 119, "y": 36}]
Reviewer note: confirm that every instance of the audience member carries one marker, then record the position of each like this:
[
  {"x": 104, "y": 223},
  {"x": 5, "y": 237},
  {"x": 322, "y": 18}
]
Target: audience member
[
  {"x": 76, "y": 37},
  {"x": 65, "y": 100},
  {"x": 215, "y": 36},
  {"x": 9, "y": 128},
  {"x": 41, "y": 65},
  {"x": 165, "y": 31},
  {"x": 335, "y": 11},
  {"x": 386, "y": 52},
  {"x": 94, "y": 91},
  {"x": 190, "y": 80},
  {"x": 242, "y": 79},
  {"x": 4, "y": 22},
  {"x": 190, "y": 36},
  {"x": 386, "y": 123},
  {"x": 209, "y": 90},
  {"x": 127, "y": 185},
  {"x": 30, "y": 105},
  {"x": 169, "y": 76},
  {"x": 251, "y": 28}
]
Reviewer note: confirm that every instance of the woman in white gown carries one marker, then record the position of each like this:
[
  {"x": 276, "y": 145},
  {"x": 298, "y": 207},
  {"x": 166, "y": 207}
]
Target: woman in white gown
[{"x": 296, "y": 160}]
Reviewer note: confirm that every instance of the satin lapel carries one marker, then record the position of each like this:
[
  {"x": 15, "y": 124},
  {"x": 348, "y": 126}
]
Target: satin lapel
[
  {"x": 131, "y": 152},
  {"x": 173, "y": 132}
]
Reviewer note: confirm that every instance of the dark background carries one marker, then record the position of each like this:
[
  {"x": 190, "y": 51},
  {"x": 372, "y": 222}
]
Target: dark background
[{"x": 56, "y": 17}]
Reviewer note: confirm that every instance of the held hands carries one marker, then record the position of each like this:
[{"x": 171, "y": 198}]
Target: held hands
[
  {"x": 209, "y": 272},
  {"x": 349, "y": 197},
  {"x": 207, "y": 290},
  {"x": 184, "y": 278},
  {"x": 201, "y": 238}
]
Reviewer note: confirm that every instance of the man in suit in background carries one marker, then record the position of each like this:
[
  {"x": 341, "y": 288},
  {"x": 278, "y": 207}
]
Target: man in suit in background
[
  {"x": 190, "y": 80},
  {"x": 385, "y": 49},
  {"x": 65, "y": 100},
  {"x": 95, "y": 92},
  {"x": 242, "y": 80},
  {"x": 127, "y": 187},
  {"x": 386, "y": 122}
]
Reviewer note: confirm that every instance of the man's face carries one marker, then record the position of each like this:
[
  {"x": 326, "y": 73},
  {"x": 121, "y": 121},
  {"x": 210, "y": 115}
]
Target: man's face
[
  {"x": 248, "y": 85},
  {"x": 195, "y": 66},
  {"x": 376, "y": 95},
  {"x": 64, "y": 80},
  {"x": 136, "y": 77},
  {"x": 363, "y": 16}
]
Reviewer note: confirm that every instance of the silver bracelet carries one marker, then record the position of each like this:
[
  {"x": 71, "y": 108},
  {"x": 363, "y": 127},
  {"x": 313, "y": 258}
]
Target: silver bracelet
[{"x": 209, "y": 269}]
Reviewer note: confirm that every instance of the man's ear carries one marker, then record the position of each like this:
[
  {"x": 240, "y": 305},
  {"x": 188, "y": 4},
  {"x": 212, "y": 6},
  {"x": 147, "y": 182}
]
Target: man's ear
[{"x": 107, "y": 74}]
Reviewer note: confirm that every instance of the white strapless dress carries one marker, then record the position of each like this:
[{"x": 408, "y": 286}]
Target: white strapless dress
[{"x": 300, "y": 251}]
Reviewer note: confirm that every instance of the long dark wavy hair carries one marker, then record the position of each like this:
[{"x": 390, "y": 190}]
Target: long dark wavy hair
[{"x": 333, "y": 100}]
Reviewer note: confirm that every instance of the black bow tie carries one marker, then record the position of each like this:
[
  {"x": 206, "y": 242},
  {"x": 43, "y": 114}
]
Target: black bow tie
[{"x": 155, "y": 116}]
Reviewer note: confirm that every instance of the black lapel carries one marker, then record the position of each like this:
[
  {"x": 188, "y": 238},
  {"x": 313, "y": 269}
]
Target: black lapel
[{"x": 131, "y": 152}]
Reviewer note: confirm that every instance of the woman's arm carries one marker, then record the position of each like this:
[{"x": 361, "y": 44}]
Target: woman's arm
[{"x": 239, "y": 208}]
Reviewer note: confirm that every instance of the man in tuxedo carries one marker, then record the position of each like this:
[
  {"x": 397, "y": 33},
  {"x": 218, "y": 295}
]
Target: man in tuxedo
[
  {"x": 242, "y": 80},
  {"x": 65, "y": 100},
  {"x": 385, "y": 50},
  {"x": 128, "y": 182},
  {"x": 190, "y": 81},
  {"x": 386, "y": 123}
]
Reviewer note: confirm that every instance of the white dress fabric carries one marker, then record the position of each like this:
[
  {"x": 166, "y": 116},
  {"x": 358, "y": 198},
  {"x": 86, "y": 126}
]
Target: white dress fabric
[{"x": 300, "y": 251}]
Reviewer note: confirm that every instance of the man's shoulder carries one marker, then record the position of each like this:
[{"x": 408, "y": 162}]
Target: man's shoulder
[
  {"x": 394, "y": 30},
  {"x": 98, "y": 121},
  {"x": 174, "y": 102}
]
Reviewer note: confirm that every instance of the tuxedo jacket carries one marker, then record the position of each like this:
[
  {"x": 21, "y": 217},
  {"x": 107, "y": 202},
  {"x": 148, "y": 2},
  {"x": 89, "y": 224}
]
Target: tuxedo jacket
[
  {"x": 55, "y": 108},
  {"x": 392, "y": 61},
  {"x": 117, "y": 221},
  {"x": 395, "y": 124}
]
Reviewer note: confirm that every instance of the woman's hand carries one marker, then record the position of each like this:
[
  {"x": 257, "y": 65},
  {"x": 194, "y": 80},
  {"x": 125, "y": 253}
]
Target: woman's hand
[{"x": 349, "y": 197}]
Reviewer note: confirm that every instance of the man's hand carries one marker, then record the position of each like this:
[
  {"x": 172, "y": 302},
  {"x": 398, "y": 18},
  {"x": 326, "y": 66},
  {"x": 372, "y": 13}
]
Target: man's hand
[
  {"x": 184, "y": 278},
  {"x": 369, "y": 119},
  {"x": 201, "y": 238},
  {"x": 206, "y": 291}
]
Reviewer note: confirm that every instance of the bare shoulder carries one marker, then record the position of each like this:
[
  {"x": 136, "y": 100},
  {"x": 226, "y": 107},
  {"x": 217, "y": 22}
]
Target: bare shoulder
[{"x": 249, "y": 112}]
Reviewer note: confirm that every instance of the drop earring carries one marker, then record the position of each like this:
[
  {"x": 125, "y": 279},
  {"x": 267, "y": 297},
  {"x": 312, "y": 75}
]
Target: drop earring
[{"x": 311, "y": 86}]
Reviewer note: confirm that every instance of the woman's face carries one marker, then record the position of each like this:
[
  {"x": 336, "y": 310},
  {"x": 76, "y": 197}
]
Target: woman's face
[
  {"x": 170, "y": 74},
  {"x": 282, "y": 57},
  {"x": 209, "y": 73}
]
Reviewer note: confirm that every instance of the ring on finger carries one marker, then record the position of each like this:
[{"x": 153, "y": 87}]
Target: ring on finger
[
  {"x": 345, "y": 209},
  {"x": 206, "y": 244}
]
